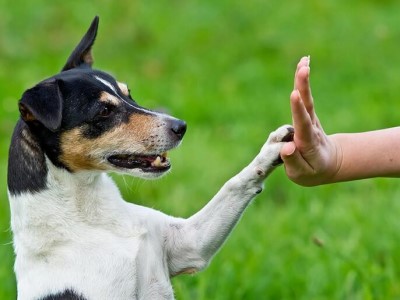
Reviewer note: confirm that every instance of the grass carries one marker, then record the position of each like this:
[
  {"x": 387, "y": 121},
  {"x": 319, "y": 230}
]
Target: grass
[{"x": 226, "y": 67}]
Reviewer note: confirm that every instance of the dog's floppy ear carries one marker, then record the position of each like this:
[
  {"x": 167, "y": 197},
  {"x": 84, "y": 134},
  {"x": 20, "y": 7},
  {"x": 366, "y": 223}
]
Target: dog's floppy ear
[
  {"x": 43, "y": 103},
  {"x": 82, "y": 55}
]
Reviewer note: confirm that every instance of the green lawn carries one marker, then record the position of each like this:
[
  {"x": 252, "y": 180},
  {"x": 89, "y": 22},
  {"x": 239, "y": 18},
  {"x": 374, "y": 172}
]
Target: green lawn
[{"x": 226, "y": 67}]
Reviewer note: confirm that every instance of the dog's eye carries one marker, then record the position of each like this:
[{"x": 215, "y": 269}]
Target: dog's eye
[{"x": 105, "y": 111}]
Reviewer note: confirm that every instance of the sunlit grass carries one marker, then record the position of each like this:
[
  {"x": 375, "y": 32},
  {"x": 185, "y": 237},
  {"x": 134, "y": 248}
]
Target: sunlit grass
[{"x": 226, "y": 67}]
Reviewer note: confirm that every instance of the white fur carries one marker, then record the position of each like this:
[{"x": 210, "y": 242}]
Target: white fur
[
  {"x": 106, "y": 83},
  {"x": 80, "y": 234}
]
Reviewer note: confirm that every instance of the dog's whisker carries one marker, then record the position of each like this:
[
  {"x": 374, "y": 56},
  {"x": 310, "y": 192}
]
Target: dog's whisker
[{"x": 7, "y": 244}]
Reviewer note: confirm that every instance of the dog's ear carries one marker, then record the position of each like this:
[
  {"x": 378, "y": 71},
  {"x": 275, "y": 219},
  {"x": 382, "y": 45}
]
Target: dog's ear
[
  {"x": 82, "y": 54},
  {"x": 43, "y": 103}
]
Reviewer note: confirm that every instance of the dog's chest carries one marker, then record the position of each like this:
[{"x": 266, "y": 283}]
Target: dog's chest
[
  {"x": 118, "y": 254},
  {"x": 104, "y": 266}
]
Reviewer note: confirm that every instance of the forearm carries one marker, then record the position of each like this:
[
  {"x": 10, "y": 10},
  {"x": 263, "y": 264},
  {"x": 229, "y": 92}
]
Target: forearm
[{"x": 368, "y": 154}]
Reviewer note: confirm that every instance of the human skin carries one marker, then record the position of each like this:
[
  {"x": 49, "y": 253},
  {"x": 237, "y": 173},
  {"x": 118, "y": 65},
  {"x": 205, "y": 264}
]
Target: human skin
[{"x": 315, "y": 158}]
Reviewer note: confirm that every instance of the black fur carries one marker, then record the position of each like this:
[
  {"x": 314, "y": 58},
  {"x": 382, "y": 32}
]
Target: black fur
[
  {"x": 26, "y": 165},
  {"x": 67, "y": 100},
  {"x": 83, "y": 109},
  {"x": 81, "y": 56},
  {"x": 43, "y": 103},
  {"x": 57, "y": 105},
  {"x": 60, "y": 103},
  {"x": 66, "y": 295}
]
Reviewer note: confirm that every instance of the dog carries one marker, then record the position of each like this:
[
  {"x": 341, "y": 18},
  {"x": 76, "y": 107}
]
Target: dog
[{"x": 74, "y": 235}]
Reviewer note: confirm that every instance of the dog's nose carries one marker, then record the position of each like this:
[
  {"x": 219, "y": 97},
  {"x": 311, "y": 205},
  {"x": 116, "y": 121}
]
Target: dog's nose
[{"x": 179, "y": 128}]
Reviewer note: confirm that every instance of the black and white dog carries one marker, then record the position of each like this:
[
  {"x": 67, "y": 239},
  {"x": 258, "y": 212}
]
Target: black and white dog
[{"x": 74, "y": 236}]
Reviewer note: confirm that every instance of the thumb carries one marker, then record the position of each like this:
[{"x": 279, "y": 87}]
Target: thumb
[
  {"x": 288, "y": 149},
  {"x": 294, "y": 163}
]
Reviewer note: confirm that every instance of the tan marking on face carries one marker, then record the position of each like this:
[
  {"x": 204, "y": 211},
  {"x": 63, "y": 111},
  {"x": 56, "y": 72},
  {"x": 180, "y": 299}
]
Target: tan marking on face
[
  {"x": 108, "y": 98},
  {"x": 124, "y": 88},
  {"x": 81, "y": 153}
]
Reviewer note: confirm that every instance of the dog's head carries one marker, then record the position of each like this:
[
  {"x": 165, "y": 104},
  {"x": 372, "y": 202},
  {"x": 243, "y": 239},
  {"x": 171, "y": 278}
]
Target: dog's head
[{"x": 85, "y": 120}]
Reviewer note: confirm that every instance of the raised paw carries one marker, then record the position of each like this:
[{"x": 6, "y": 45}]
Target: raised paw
[
  {"x": 271, "y": 149},
  {"x": 284, "y": 133}
]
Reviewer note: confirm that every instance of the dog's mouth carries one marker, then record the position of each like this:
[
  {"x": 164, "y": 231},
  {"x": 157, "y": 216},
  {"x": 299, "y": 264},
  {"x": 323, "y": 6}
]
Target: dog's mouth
[{"x": 146, "y": 163}]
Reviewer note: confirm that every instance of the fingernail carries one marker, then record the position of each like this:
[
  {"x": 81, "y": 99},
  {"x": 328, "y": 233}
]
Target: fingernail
[{"x": 292, "y": 149}]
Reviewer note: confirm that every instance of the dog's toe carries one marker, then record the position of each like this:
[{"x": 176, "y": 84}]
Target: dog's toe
[
  {"x": 289, "y": 135},
  {"x": 284, "y": 133}
]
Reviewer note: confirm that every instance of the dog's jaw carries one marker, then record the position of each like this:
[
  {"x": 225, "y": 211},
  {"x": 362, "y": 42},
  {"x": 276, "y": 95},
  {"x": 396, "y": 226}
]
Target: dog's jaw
[{"x": 154, "y": 164}]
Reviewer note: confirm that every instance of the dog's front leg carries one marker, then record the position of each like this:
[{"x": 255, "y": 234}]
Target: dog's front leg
[{"x": 191, "y": 243}]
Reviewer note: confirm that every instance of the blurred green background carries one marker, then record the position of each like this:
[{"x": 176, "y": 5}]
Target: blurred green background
[{"x": 226, "y": 67}]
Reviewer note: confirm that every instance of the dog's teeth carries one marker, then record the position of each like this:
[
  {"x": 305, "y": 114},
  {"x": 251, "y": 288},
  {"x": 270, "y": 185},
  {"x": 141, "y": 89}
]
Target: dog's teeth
[{"x": 157, "y": 162}]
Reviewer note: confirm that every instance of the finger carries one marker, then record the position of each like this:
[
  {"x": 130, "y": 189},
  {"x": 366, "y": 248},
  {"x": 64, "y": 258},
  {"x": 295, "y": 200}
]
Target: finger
[
  {"x": 294, "y": 164},
  {"x": 288, "y": 149},
  {"x": 303, "y": 85},
  {"x": 302, "y": 123},
  {"x": 304, "y": 62}
]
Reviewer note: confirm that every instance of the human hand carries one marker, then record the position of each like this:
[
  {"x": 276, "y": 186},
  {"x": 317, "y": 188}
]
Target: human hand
[{"x": 313, "y": 158}]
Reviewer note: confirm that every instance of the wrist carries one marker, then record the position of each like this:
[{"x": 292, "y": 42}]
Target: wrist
[
  {"x": 328, "y": 167},
  {"x": 336, "y": 165}
]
